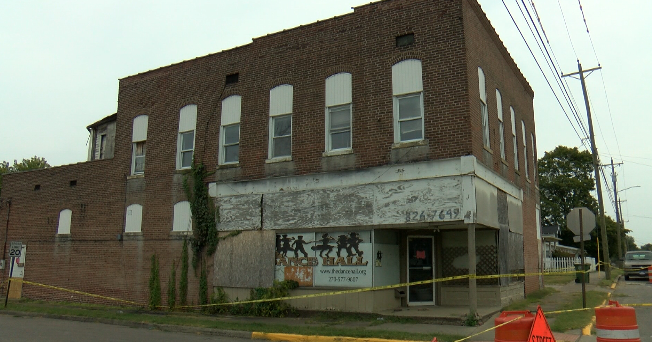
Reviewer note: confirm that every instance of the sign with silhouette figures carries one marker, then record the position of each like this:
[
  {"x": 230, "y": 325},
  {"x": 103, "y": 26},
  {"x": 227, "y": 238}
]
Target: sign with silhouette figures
[{"x": 325, "y": 259}]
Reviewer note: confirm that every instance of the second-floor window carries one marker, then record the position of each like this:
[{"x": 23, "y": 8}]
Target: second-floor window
[
  {"x": 501, "y": 124},
  {"x": 515, "y": 148},
  {"x": 407, "y": 89},
  {"x": 138, "y": 139},
  {"x": 338, "y": 112},
  {"x": 186, "y": 140},
  {"x": 280, "y": 121},
  {"x": 527, "y": 174},
  {"x": 484, "y": 111},
  {"x": 230, "y": 130}
]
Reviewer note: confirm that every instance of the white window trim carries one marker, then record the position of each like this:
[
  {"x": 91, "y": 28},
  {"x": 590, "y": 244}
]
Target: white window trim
[
  {"x": 178, "y": 224},
  {"x": 524, "y": 135},
  {"x": 65, "y": 222},
  {"x": 133, "y": 157},
  {"x": 397, "y": 128},
  {"x": 223, "y": 145},
  {"x": 180, "y": 152},
  {"x": 329, "y": 148},
  {"x": 513, "y": 115},
  {"x": 501, "y": 124},
  {"x": 534, "y": 158},
  {"x": 270, "y": 151},
  {"x": 134, "y": 218},
  {"x": 484, "y": 109}
]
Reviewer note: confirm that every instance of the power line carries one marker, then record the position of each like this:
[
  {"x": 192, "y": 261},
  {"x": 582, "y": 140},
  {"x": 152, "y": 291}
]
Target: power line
[
  {"x": 567, "y": 32},
  {"x": 587, "y": 31},
  {"x": 541, "y": 69},
  {"x": 551, "y": 65}
]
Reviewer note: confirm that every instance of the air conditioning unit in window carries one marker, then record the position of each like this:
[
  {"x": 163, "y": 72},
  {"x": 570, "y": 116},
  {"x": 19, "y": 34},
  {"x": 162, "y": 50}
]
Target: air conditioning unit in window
[{"x": 2, "y": 264}]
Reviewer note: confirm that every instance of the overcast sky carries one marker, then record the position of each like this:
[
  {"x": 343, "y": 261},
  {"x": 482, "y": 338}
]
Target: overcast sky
[{"x": 60, "y": 62}]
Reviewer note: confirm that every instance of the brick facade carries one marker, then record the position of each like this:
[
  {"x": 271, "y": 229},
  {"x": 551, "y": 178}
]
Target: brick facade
[{"x": 452, "y": 38}]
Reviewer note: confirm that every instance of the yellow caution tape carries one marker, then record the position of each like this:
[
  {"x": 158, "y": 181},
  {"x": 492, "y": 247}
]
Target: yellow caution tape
[
  {"x": 332, "y": 293},
  {"x": 490, "y": 329},
  {"x": 20, "y": 280}
]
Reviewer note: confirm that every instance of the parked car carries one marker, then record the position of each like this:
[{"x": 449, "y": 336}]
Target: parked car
[{"x": 636, "y": 264}]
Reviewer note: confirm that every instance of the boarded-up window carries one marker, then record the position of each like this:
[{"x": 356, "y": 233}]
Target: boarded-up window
[
  {"x": 133, "y": 218},
  {"x": 182, "y": 217},
  {"x": 65, "y": 219}
]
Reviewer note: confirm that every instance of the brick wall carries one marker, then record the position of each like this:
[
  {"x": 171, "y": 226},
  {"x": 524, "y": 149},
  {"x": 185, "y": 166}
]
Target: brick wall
[
  {"x": 485, "y": 50},
  {"x": 451, "y": 39}
]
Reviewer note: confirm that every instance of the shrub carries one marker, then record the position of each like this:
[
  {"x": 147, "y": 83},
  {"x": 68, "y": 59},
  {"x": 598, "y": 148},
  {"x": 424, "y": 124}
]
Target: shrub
[{"x": 154, "y": 285}]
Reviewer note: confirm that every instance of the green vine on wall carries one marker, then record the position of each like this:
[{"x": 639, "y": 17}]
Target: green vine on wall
[{"x": 205, "y": 217}]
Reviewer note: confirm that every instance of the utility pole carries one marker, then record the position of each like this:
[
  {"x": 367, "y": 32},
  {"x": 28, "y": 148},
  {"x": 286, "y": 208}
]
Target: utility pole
[
  {"x": 596, "y": 167},
  {"x": 619, "y": 231},
  {"x": 622, "y": 225}
]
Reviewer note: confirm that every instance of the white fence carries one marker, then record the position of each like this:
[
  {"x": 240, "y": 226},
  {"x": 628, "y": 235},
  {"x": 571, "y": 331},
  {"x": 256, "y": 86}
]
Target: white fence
[{"x": 565, "y": 264}]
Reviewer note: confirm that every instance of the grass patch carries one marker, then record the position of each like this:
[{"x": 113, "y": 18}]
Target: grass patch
[
  {"x": 558, "y": 279},
  {"x": 532, "y": 298},
  {"x": 615, "y": 273},
  {"x": 578, "y": 319},
  {"x": 134, "y": 315}
]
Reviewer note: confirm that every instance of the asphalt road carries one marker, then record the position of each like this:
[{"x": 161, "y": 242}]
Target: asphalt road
[
  {"x": 27, "y": 329},
  {"x": 637, "y": 291}
]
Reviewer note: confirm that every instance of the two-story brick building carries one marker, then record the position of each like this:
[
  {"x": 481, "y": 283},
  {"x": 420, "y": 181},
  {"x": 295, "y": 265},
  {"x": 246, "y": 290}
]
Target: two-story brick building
[{"x": 393, "y": 144}]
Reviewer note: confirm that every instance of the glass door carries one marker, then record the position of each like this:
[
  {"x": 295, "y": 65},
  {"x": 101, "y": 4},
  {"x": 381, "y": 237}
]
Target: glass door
[{"x": 421, "y": 267}]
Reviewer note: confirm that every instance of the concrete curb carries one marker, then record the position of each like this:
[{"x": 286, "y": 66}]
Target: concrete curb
[
  {"x": 161, "y": 327},
  {"x": 315, "y": 338}
]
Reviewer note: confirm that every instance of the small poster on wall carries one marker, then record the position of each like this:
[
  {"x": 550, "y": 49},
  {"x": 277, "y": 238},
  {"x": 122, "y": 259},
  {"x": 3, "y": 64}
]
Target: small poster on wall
[{"x": 325, "y": 259}]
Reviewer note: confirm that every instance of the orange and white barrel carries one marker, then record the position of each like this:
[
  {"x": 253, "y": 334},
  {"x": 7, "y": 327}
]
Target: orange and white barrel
[{"x": 616, "y": 323}]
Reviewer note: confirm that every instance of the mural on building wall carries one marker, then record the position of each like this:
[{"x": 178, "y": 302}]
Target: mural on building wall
[{"x": 324, "y": 259}]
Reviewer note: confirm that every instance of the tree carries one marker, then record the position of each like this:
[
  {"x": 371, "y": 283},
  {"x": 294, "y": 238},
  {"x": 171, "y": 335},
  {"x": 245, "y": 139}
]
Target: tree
[
  {"x": 33, "y": 163},
  {"x": 565, "y": 182},
  {"x": 647, "y": 247}
]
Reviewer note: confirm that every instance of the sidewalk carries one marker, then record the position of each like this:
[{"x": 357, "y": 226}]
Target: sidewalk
[{"x": 431, "y": 321}]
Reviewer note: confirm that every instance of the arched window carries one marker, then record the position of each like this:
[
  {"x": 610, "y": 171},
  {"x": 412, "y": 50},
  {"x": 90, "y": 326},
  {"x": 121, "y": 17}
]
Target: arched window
[
  {"x": 133, "y": 218},
  {"x": 230, "y": 130},
  {"x": 182, "y": 217},
  {"x": 280, "y": 121},
  {"x": 338, "y": 112},
  {"x": 186, "y": 140},
  {"x": 138, "y": 138},
  {"x": 407, "y": 90},
  {"x": 65, "y": 219}
]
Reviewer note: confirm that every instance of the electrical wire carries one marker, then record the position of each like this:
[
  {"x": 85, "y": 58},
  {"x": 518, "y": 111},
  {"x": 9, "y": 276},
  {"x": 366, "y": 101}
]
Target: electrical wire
[
  {"x": 567, "y": 31},
  {"x": 542, "y": 72},
  {"x": 587, "y": 31},
  {"x": 551, "y": 64}
]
